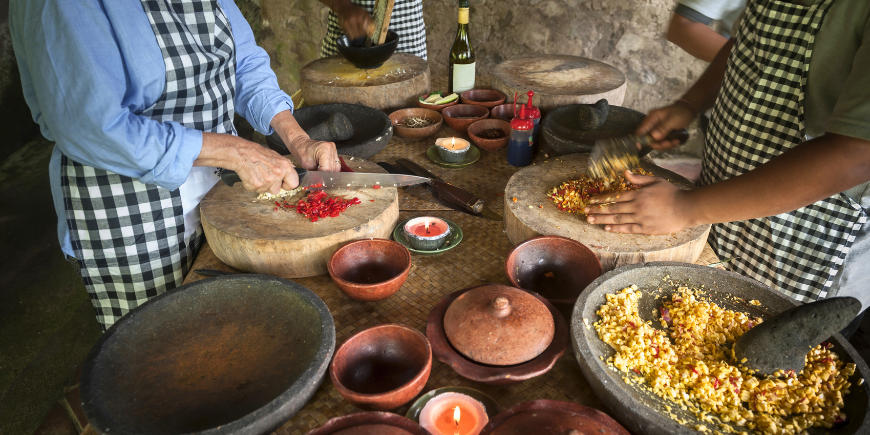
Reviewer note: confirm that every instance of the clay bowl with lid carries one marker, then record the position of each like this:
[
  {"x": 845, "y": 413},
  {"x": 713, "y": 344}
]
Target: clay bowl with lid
[
  {"x": 552, "y": 417},
  {"x": 399, "y": 120},
  {"x": 496, "y": 334},
  {"x": 370, "y": 269},
  {"x": 460, "y": 116},
  {"x": 370, "y": 423},
  {"x": 383, "y": 367},
  {"x": 488, "y": 98},
  {"x": 491, "y": 145},
  {"x": 555, "y": 267}
]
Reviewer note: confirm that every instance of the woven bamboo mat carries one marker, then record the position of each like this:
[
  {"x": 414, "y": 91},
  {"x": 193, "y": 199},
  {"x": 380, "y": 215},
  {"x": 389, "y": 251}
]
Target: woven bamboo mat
[{"x": 478, "y": 259}]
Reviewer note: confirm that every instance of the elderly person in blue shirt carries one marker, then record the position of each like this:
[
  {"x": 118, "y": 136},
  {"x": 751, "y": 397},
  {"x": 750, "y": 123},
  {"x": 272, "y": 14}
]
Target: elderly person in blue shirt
[{"x": 139, "y": 98}]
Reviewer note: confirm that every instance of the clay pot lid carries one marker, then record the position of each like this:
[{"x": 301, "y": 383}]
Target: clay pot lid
[
  {"x": 552, "y": 417},
  {"x": 499, "y": 325}
]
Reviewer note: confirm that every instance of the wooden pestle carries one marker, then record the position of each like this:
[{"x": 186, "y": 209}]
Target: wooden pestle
[{"x": 336, "y": 128}]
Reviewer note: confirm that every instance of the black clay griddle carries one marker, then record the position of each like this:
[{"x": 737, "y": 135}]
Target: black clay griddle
[
  {"x": 372, "y": 129},
  {"x": 641, "y": 411},
  {"x": 234, "y": 354},
  {"x": 561, "y": 133}
]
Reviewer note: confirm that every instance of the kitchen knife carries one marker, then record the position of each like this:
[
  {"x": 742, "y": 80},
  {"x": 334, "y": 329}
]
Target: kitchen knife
[
  {"x": 447, "y": 191},
  {"x": 212, "y": 272},
  {"x": 337, "y": 180},
  {"x": 612, "y": 156}
]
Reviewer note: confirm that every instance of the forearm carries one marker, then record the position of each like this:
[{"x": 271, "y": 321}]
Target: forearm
[
  {"x": 222, "y": 151},
  {"x": 695, "y": 38},
  {"x": 812, "y": 171},
  {"x": 703, "y": 93},
  {"x": 289, "y": 130}
]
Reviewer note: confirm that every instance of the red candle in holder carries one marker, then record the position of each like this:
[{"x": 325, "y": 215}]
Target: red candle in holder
[
  {"x": 453, "y": 414},
  {"x": 426, "y": 233},
  {"x": 428, "y": 228}
]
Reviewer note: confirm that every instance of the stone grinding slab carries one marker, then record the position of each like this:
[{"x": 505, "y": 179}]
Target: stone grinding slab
[{"x": 640, "y": 410}]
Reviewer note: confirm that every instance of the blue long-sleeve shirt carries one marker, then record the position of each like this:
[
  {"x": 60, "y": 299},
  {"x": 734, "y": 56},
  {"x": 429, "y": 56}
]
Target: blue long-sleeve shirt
[{"x": 90, "y": 67}]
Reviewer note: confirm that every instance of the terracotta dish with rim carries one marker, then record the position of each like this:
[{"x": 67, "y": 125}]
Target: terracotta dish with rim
[
  {"x": 383, "y": 367},
  {"x": 552, "y": 417},
  {"x": 399, "y": 117},
  {"x": 490, "y": 145},
  {"x": 370, "y": 423},
  {"x": 370, "y": 269},
  {"x": 488, "y": 98},
  {"x": 460, "y": 116}
]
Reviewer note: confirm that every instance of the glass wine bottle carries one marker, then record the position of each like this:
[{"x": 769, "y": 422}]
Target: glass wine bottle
[{"x": 460, "y": 76}]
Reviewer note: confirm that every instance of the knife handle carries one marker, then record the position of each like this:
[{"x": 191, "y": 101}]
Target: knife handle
[
  {"x": 457, "y": 196},
  {"x": 232, "y": 177}
]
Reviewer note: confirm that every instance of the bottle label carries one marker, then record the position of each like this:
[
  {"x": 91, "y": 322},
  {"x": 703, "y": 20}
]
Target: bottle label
[
  {"x": 463, "y": 15},
  {"x": 463, "y": 77}
]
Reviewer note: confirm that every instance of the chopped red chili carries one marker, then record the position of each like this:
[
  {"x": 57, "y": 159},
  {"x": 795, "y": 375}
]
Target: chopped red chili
[{"x": 376, "y": 186}]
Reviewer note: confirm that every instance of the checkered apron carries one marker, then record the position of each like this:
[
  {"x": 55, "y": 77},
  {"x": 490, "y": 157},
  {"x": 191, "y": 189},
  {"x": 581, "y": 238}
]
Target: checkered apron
[
  {"x": 406, "y": 21},
  {"x": 129, "y": 237},
  {"x": 759, "y": 115}
]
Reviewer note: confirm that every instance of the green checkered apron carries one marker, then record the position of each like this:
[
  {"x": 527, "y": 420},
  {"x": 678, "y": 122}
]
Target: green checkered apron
[{"x": 759, "y": 115}]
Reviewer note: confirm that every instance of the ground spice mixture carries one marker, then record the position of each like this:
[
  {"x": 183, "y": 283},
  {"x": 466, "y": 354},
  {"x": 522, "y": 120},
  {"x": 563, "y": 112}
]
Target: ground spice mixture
[{"x": 573, "y": 195}]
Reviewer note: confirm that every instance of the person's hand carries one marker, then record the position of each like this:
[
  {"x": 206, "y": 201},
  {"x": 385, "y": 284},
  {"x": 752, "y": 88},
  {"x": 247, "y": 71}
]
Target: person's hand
[
  {"x": 264, "y": 170},
  {"x": 662, "y": 121},
  {"x": 354, "y": 20},
  {"x": 315, "y": 155},
  {"x": 658, "y": 207}
]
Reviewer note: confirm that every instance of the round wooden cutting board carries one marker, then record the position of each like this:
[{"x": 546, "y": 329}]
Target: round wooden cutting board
[
  {"x": 530, "y": 186},
  {"x": 247, "y": 233},
  {"x": 395, "y": 85},
  {"x": 560, "y": 80}
]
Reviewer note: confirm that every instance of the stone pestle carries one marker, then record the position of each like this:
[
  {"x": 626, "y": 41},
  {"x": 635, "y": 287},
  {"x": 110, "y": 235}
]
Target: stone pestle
[
  {"x": 592, "y": 116},
  {"x": 783, "y": 341},
  {"x": 336, "y": 128}
]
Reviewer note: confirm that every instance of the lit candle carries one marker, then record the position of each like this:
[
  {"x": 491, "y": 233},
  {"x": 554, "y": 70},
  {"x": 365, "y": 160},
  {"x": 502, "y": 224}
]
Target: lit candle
[
  {"x": 453, "y": 414},
  {"x": 452, "y": 150},
  {"x": 426, "y": 233}
]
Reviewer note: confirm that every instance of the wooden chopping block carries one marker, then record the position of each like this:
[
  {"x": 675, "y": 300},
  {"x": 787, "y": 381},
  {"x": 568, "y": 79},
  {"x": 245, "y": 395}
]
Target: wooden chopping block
[
  {"x": 395, "y": 85},
  {"x": 247, "y": 234},
  {"x": 559, "y": 80},
  {"x": 525, "y": 218}
]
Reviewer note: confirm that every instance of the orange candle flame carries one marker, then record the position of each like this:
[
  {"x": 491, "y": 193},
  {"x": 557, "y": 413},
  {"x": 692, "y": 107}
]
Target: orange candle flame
[
  {"x": 453, "y": 143},
  {"x": 456, "y": 415},
  {"x": 427, "y": 226}
]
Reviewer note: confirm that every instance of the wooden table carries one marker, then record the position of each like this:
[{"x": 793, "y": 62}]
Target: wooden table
[{"x": 478, "y": 259}]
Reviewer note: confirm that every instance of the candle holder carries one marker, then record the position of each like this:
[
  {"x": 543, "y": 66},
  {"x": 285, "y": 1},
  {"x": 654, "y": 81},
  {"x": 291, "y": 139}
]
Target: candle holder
[
  {"x": 452, "y": 413},
  {"x": 416, "y": 231},
  {"x": 452, "y": 149},
  {"x": 492, "y": 407}
]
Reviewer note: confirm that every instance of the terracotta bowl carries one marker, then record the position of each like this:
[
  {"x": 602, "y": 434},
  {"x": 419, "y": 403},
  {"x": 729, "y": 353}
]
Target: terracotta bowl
[
  {"x": 436, "y": 107},
  {"x": 555, "y": 267},
  {"x": 398, "y": 117},
  {"x": 504, "y": 112},
  {"x": 486, "y": 124},
  {"x": 552, "y": 417},
  {"x": 487, "y": 374},
  {"x": 382, "y": 368},
  {"x": 488, "y": 98},
  {"x": 460, "y": 116},
  {"x": 371, "y": 423},
  {"x": 370, "y": 269}
]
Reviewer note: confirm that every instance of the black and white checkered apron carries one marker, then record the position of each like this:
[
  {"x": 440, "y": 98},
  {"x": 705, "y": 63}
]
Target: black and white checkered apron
[
  {"x": 407, "y": 22},
  {"x": 128, "y": 236},
  {"x": 759, "y": 115}
]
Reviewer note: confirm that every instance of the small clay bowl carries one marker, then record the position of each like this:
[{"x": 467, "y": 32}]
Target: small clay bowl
[
  {"x": 486, "y": 124},
  {"x": 436, "y": 107},
  {"x": 488, "y": 374},
  {"x": 488, "y": 98},
  {"x": 555, "y": 267},
  {"x": 398, "y": 118},
  {"x": 382, "y": 368},
  {"x": 370, "y": 423},
  {"x": 460, "y": 116},
  {"x": 504, "y": 112},
  {"x": 552, "y": 417},
  {"x": 370, "y": 269}
]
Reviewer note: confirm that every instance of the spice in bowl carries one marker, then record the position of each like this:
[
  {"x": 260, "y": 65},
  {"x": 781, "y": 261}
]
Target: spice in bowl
[
  {"x": 492, "y": 133},
  {"x": 452, "y": 149},
  {"x": 416, "y": 122}
]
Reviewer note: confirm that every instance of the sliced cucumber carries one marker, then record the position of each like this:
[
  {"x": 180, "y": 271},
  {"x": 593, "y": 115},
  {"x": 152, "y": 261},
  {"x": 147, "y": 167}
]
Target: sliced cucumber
[
  {"x": 432, "y": 98},
  {"x": 448, "y": 99}
]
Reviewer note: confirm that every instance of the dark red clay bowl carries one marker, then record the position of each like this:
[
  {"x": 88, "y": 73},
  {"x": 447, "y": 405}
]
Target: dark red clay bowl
[
  {"x": 554, "y": 267},
  {"x": 505, "y": 112},
  {"x": 398, "y": 118},
  {"x": 488, "y": 98},
  {"x": 371, "y": 423},
  {"x": 488, "y": 374},
  {"x": 490, "y": 144},
  {"x": 370, "y": 269},
  {"x": 382, "y": 368},
  {"x": 460, "y": 116}
]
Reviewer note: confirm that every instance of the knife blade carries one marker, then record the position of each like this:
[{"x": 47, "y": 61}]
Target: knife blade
[
  {"x": 332, "y": 180},
  {"x": 612, "y": 156},
  {"x": 445, "y": 190}
]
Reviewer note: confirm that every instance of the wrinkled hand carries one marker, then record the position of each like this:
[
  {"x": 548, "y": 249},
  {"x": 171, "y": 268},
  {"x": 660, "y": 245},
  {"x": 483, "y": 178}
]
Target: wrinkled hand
[
  {"x": 354, "y": 20},
  {"x": 315, "y": 155},
  {"x": 658, "y": 207},
  {"x": 662, "y": 121},
  {"x": 264, "y": 170}
]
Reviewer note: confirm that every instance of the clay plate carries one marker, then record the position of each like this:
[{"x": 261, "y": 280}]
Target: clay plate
[
  {"x": 552, "y": 417},
  {"x": 494, "y": 375},
  {"x": 339, "y": 424}
]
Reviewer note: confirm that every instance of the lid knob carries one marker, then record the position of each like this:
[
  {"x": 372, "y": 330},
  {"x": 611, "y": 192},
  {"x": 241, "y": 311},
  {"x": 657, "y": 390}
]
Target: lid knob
[{"x": 501, "y": 307}]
